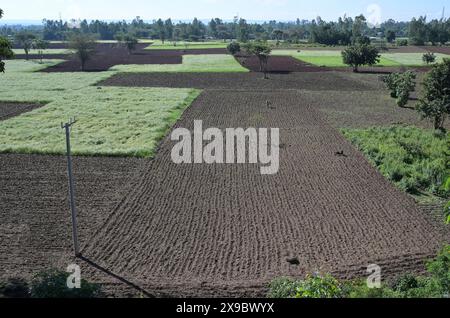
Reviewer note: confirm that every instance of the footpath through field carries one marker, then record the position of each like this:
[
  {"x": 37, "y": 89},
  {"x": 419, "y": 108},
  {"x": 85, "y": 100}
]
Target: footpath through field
[{"x": 226, "y": 230}]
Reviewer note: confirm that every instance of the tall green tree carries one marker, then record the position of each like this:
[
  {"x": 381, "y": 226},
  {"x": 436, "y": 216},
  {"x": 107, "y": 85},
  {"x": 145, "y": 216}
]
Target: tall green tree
[
  {"x": 161, "y": 30},
  {"x": 243, "y": 31},
  {"x": 261, "y": 50},
  {"x": 359, "y": 55},
  {"x": 435, "y": 104},
  {"x": 83, "y": 46},
  {"x": 25, "y": 40},
  {"x": 41, "y": 45},
  {"x": 5, "y": 49}
]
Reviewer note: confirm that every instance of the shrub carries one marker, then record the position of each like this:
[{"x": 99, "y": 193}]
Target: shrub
[
  {"x": 447, "y": 212},
  {"x": 429, "y": 58},
  {"x": 435, "y": 285},
  {"x": 234, "y": 48},
  {"x": 317, "y": 286},
  {"x": 401, "y": 86},
  {"x": 14, "y": 288},
  {"x": 412, "y": 158},
  {"x": 53, "y": 284},
  {"x": 283, "y": 288},
  {"x": 362, "y": 54},
  {"x": 402, "y": 42}
]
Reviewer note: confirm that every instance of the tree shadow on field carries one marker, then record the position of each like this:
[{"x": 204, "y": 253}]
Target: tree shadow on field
[{"x": 115, "y": 276}]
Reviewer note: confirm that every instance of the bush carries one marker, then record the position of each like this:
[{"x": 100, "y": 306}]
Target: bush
[
  {"x": 402, "y": 42},
  {"x": 429, "y": 58},
  {"x": 362, "y": 54},
  {"x": 447, "y": 212},
  {"x": 401, "y": 86},
  {"x": 234, "y": 48},
  {"x": 412, "y": 158},
  {"x": 14, "y": 288},
  {"x": 435, "y": 285},
  {"x": 283, "y": 288},
  {"x": 317, "y": 286},
  {"x": 53, "y": 284}
]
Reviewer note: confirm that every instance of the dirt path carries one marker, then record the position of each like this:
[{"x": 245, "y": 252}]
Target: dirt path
[{"x": 225, "y": 230}]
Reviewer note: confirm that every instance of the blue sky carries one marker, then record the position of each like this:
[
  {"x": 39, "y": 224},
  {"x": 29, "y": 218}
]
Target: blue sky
[{"x": 226, "y": 9}]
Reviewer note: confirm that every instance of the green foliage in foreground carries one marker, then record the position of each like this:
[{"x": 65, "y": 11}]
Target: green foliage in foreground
[
  {"x": 215, "y": 63},
  {"x": 435, "y": 285},
  {"x": 416, "y": 160},
  {"x": 112, "y": 121},
  {"x": 48, "y": 284},
  {"x": 53, "y": 284}
]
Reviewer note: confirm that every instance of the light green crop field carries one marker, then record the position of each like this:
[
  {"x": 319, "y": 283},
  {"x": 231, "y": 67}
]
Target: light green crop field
[
  {"x": 412, "y": 59},
  {"x": 182, "y": 45},
  {"x": 45, "y": 52},
  {"x": 219, "y": 63},
  {"x": 334, "y": 58},
  {"x": 112, "y": 121},
  {"x": 326, "y": 58}
]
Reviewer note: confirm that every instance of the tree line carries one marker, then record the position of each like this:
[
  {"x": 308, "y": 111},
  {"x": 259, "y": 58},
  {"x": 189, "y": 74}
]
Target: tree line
[{"x": 344, "y": 31}]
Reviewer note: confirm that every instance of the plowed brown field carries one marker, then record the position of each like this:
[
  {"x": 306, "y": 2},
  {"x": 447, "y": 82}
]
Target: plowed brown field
[{"x": 227, "y": 230}]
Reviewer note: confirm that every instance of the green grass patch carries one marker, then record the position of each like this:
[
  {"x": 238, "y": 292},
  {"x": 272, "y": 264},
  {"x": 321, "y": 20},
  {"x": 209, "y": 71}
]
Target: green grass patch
[
  {"x": 414, "y": 159},
  {"x": 412, "y": 59},
  {"x": 183, "y": 45},
  {"x": 333, "y": 58},
  {"x": 326, "y": 58},
  {"x": 112, "y": 121},
  {"x": 191, "y": 63}
]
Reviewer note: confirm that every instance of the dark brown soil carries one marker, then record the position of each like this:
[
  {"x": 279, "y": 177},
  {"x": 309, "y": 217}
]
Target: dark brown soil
[
  {"x": 278, "y": 64},
  {"x": 439, "y": 49},
  {"x": 245, "y": 81},
  {"x": 109, "y": 55},
  {"x": 8, "y": 109},
  {"x": 35, "y": 227},
  {"x": 225, "y": 230}
]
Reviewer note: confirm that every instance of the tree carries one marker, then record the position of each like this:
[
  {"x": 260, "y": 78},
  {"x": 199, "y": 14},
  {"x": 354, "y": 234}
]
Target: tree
[
  {"x": 362, "y": 54},
  {"x": 5, "y": 49},
  {"x": 262, "y": 51},
  {"x": 83, "y": 46},
  {"x": 278, "y": 35},
  {"x": 160, "y": 27},
  {"x": 243, "y": 31},
  {"x": 234, "y": 48},
  {"x": 25, "y": 40},
  {"x": 391, "y": 36},
  {"x": 401, "y": 85},
  {"x": 40, "y": 46},
  {"x": 429, "y": 58},
  {"x": 359, "y": 25},
  {"x": 130, "y": 43},
  {"x": 418, "y": 31},
  {"x": 435, "y": 104}
]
